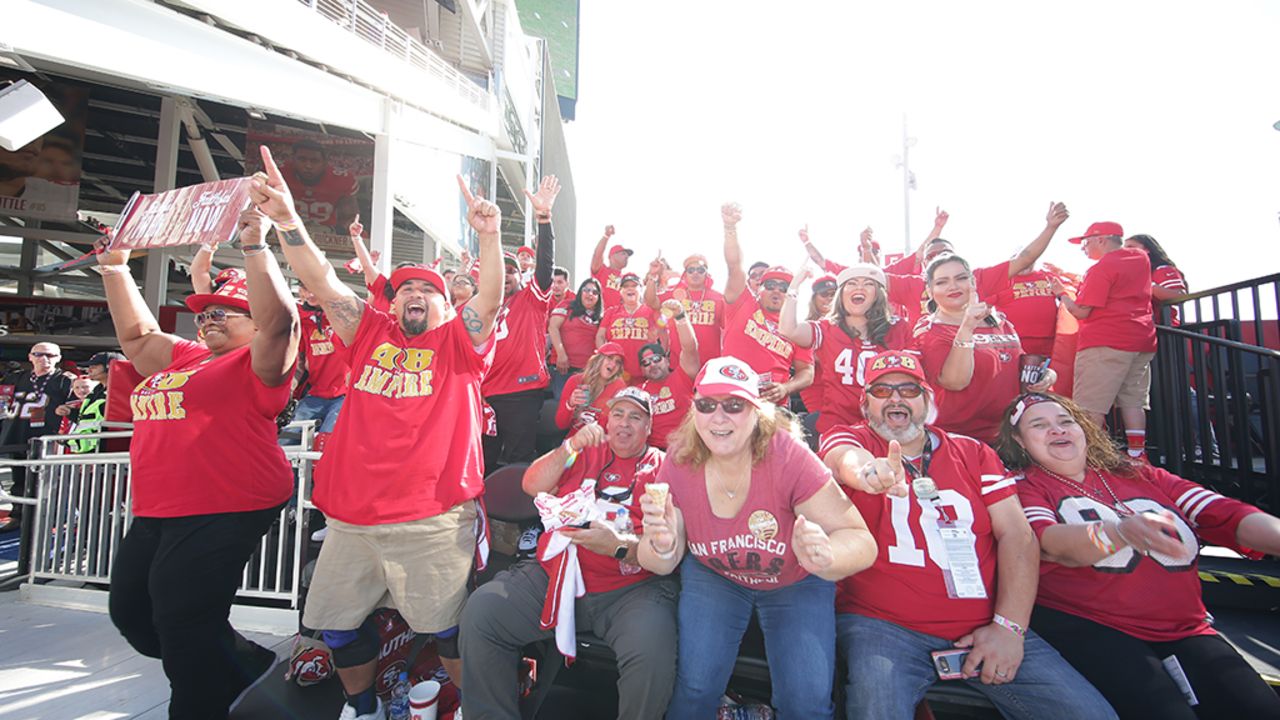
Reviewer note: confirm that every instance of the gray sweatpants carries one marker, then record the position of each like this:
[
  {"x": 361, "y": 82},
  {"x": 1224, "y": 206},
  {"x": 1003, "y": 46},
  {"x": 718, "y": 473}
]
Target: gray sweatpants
[{"x": 502, "y": 616}]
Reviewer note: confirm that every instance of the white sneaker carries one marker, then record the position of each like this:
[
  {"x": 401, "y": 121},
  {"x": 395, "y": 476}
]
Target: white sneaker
[
  {"x": 319, "y": 535},
  {"x": 349, "y": 713}
]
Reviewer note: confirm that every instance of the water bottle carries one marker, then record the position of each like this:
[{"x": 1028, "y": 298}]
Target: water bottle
[{"x": 399, "y": 708}]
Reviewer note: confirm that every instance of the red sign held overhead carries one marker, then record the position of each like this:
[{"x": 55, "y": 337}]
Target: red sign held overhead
[{"x": 204, "y": 213}]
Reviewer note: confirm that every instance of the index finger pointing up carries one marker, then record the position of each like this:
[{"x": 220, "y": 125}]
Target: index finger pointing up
[
  {"x": 269, "y": 164},
  {"x": 466, "y": 192}
]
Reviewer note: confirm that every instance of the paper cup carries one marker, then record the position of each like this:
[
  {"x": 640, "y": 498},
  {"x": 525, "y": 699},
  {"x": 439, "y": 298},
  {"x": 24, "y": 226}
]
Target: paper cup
[
  {"x": 658, "y": 493},
  {"x": 422, "y": 700}
]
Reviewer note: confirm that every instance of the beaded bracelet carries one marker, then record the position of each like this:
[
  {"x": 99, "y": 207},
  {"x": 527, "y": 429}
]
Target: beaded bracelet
[
  {"x": 963, "y": 343},
  {"x": 1008, "y": 624},
  {"x": 287, "y": 225},
  {"x": 1098, "y": 536}
]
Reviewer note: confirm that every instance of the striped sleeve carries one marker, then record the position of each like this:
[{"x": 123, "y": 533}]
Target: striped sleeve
[
  {"x": 838, "y": 436},
  {"x": 1037, "y": 506},
  {"x": 1169, "y": 277},
  {"x": 1214, "y": 517},
  {"x": 994, "y": 481},
  {"x": 1039, "y": 516},
  {"x": 816, "y": 328}
]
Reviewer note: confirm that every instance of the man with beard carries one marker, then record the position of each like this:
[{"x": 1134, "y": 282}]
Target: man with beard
[
  {"x": 671, "y": 389},
  {"x": 751, "y": 328},
  {"x": 322, "y": 194},
  {"x": 956, "y": 568},
  {"x": 400, "y": 509},
  {"x": 514, "y": 387},
  {"x": 703, "y": 305},
  {"x": 36, "y": 394}
]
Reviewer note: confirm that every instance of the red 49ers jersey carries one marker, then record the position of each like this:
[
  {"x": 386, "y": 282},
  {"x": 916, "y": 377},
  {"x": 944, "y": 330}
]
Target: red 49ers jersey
[
  {"x": 705, "y": 309},
  {"x": 318, "y": 203},
  {"x": 631, "y": 330},
  {"x": 325, "y": 355},
  {"x": 752, "y": 336},
  {"x": 840, "y": 367},
  {"x": 1155, "y": 598},
  {"x": 671, "y": 400},
  {"x": 520, "y": 356},
  {"x": 906, "y": 585}
]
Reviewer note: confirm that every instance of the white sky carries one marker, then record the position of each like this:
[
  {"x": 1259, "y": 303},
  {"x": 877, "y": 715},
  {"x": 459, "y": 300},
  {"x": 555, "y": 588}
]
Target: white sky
[{"x": 1157, "y": 115}]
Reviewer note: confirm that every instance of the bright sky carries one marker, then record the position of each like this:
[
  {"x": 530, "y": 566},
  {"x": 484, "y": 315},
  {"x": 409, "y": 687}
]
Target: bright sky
[{"x": 1156, "y": 115}]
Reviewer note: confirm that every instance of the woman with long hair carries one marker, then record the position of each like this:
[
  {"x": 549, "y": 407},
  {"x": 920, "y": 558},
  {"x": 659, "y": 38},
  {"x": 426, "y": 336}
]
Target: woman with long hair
[
  {"x": 1119, "y": 596},
  {"x": 207, "y": 477},
  {"x": 572, "y": 329},
  {"x": 857, "y": 327},
  {"x": 766, "y": 530},
  {"x": 586, "y": 395},
  {"x": 971, "y": 352},
  {"x": 1167, "y": 281}
]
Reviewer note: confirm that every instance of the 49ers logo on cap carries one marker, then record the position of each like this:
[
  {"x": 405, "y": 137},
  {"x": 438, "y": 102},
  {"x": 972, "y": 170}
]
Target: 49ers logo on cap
[
  {"x": 905, "y": 362},
  {"x": 733, "y": 372}
]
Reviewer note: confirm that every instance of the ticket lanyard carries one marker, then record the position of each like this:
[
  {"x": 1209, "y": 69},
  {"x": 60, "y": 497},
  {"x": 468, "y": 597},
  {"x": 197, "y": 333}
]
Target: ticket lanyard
[{"x": 961, "y": 570}]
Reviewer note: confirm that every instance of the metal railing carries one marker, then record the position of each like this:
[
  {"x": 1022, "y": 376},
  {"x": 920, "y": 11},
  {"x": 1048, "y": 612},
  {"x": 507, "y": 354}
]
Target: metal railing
[
  {"x": 373, "y": 26},
  {"x": 1222, "y": 311},
  {"x": 82, "y": 508}
]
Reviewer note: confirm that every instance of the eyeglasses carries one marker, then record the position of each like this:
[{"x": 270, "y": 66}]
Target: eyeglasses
[
  {"x": 589, "y": 291},
  {"x": 696, "y": 269},
  {"x": 44, "y": 354},
  {"x": 883, "y": 391},
  {"x": 775, "y": 285},
  {"x": 652, "y": 360},
  {"x": 217, "y": 315},
  {"x": 731, "y": 405}
]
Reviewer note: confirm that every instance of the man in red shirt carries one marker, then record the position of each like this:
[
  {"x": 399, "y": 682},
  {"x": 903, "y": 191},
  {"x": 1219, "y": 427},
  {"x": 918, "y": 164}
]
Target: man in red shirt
[
  {"x": 671, "y": 389},
  {"x": 401, "y": 516},
  {"x": 629, "y": 324},
  {"x": 515, "y": 386},
  {"x": 321, "y": 193},
  {"x": 751, "y": 328},
  {"x": 609, "y": 273},
  {"x": 956, "y": 567},
  {"x": 703, "y": 305},
  {"x": 327, "y": 366},
  {"x": 631, "y": 609},
  {"x": 1117, "y": 335}
]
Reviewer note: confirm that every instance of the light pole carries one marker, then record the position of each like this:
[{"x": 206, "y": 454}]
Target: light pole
[{"x": 908, "y": 184}]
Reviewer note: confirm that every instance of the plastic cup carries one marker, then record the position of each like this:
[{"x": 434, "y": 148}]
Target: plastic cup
[{"x": 422, "y": 700}]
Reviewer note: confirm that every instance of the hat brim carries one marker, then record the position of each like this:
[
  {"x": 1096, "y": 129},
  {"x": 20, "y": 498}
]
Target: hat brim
[
  {"x": 200, "y": 301},
  {"x": 623, "y": 398}
]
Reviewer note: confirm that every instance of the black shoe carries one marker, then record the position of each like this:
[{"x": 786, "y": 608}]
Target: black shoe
[{"x": 256, "y": 664}]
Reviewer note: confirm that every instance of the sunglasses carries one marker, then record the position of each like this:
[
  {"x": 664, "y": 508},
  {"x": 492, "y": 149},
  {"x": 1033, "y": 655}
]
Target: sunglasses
[
  {"x": 731, "y": 406},
  {"x": 217, "y": 315},
  {"x": 906, "y": 391},
  {"x": 696, "y": 269},
  {"x": 44, "y": 354},
  {"x": 827, "y": 293},
  {"x": 775, "y": 285},
  {"x": 589, "y": 291},
  {"x": 651, "y": 360}
]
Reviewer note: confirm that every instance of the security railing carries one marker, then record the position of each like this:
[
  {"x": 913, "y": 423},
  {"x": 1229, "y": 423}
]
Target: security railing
[
  {"x": 81, "y": 510},
  {"x": 373, "y": 26},
  {"x": 1247, "y": 312}
]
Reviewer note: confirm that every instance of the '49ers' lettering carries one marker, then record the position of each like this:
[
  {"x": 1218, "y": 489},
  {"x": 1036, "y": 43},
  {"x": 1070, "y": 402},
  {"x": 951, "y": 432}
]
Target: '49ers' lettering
[
  {"x": 390, "y": 357},
  {"x": 158, "y": 406}
]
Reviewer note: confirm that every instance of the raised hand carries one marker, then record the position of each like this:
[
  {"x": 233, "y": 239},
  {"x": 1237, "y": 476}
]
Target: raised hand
[
  {"x": 110, "y": 257},
  {"x": 1057, "y": 215},
  {"x": 886, "y": 474},
  {"x": 608, "y": 231},
  {"x": 483, "y": 215},
  {"x": 804, "y": 234},
  {"x": 865, "y": 238},
  {"x": 253, "y": 227},
  {"x": 974, "y": 312},
  {"x": 731, "y": 213},
  {"x": 355, "y": 229},
  {"x": 1055, "y": 285},
  {"x": 672, "y": 307},
  {"x": 545, "y": 198},
  {"x": 590, "y": 435},
  {"x": 656, "y": 266},
  {"x": 811, "y": 545},
  {"x": 269, "y": 192},
  {"x": 940, "y": 218}
]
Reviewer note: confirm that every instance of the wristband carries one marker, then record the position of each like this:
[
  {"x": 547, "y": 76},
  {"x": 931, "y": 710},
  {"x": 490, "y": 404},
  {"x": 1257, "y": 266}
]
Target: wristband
[
  {"x": 251, "y": 250},
  {"x": 1009, "y": 625},
  {"x": 573, "y": 454},
  {"x": 678, "y": 317},
  {"x": 662, "y": 555},
  {"x": 1098, "y": 536},
  {"x": 963, "y": 343},
  {"x": 544, "y": 218},
  {"x": 290, "y": 224},
  {"x": 114, "y": 269}
]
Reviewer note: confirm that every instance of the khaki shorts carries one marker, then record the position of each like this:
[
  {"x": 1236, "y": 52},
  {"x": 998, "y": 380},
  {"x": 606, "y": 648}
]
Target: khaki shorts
[
  {"x": 1105, "y": 376},
  {"x": 419, "y": 568}
]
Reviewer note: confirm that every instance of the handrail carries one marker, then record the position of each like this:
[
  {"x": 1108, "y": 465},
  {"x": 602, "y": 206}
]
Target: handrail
[
  {"x": 1221, "y": 342},
  {"x": 1242, "y": 285}
]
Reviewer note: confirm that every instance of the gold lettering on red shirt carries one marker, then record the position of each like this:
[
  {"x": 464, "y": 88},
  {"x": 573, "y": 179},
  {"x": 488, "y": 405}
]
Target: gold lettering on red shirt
[
  {"x": 396, "y": 373},
  {"x": 757, "y": 329}
]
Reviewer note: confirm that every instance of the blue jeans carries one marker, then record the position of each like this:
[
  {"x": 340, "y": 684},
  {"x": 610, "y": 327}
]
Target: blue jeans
[
  {"x": 890, "y": 670},
  {"x": 559, "y": 380},
  {"x": 798, "y": 622},
  {"x": 323, "y": 410}
]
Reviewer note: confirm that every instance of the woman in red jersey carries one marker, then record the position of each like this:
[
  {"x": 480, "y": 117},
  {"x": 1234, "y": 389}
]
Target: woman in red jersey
[
  {"x": 207, "y": 476},
  {"x": 586, "y": 394},
  {"x": 972, "y": 354},
  {"x": 1119, "y": 594},
  {"x": 1167, "y": 281},
  {"x": 572, "y": 328}
]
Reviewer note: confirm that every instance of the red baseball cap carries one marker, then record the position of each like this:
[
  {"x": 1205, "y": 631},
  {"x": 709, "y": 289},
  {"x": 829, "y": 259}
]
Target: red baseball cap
[
  {"x": 524, "y": 250},
  {"x": 823, "y": 284},
  {"x": 419, "y": 272},
  {"x": 233, "y": 292},
  {"x": 610, "y": 348},
  {"x": 728, "y": 376},
  {"x": 629, "y": 277},
  {"x": 1099, "y": 228},
  {"x": 509, "y": 258},
  {"x": 619, "y": 248},
  {"x": 777, "y": 272},
  {"x": 895, "y": 361}
]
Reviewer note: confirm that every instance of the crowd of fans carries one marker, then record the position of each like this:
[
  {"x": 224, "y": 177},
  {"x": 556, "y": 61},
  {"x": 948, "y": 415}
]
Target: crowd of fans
[{"x": 913, "y": 477}]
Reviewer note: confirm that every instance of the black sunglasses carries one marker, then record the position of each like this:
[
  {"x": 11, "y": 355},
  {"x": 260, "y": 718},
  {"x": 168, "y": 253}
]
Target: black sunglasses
[
  {"x": 696, "y": 269},
  {"x": 883, "y": 391},
  {"x": 651, "y": 360},
  {"x": 731, "y": 405},
  {"x": 217, "y": 315},
  {"x": 775, "y": 285}
]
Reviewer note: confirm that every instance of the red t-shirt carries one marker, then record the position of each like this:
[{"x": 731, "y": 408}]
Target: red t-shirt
[
  {"x": 327, "y": 358},
  {"x": 753, "y": 548},
  {"x": 841, "y": 363},
  {"x": 1156, "y": 598},
  {"x": 906, "y": 584},
  {"x": 578, "y": 335},
  {"x": 671, "y": 400},
  {"x": 204, "y": 438},
  {"x": 603, "y": 573},
  {"x": 1169, "y": 278},
  {"x": 705, "y": 310},
  {"x": 407, "y": 442},
  {"x": 752, "y": 336},
  {"x": 911, "y": 291},
  {"x": 1029, "y": 303},
  {"x": 319, "y": 202},
  {"x": 976, "y": 410},
  {"x": 378, "y": 294},
  {"x": 596, "y": 408},
  {"x": 1118, "y": 288},
  {"x": 631, "y": 330},
  {"x": 520, "y": 353},
  {"x": 610, "y": 285}
]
